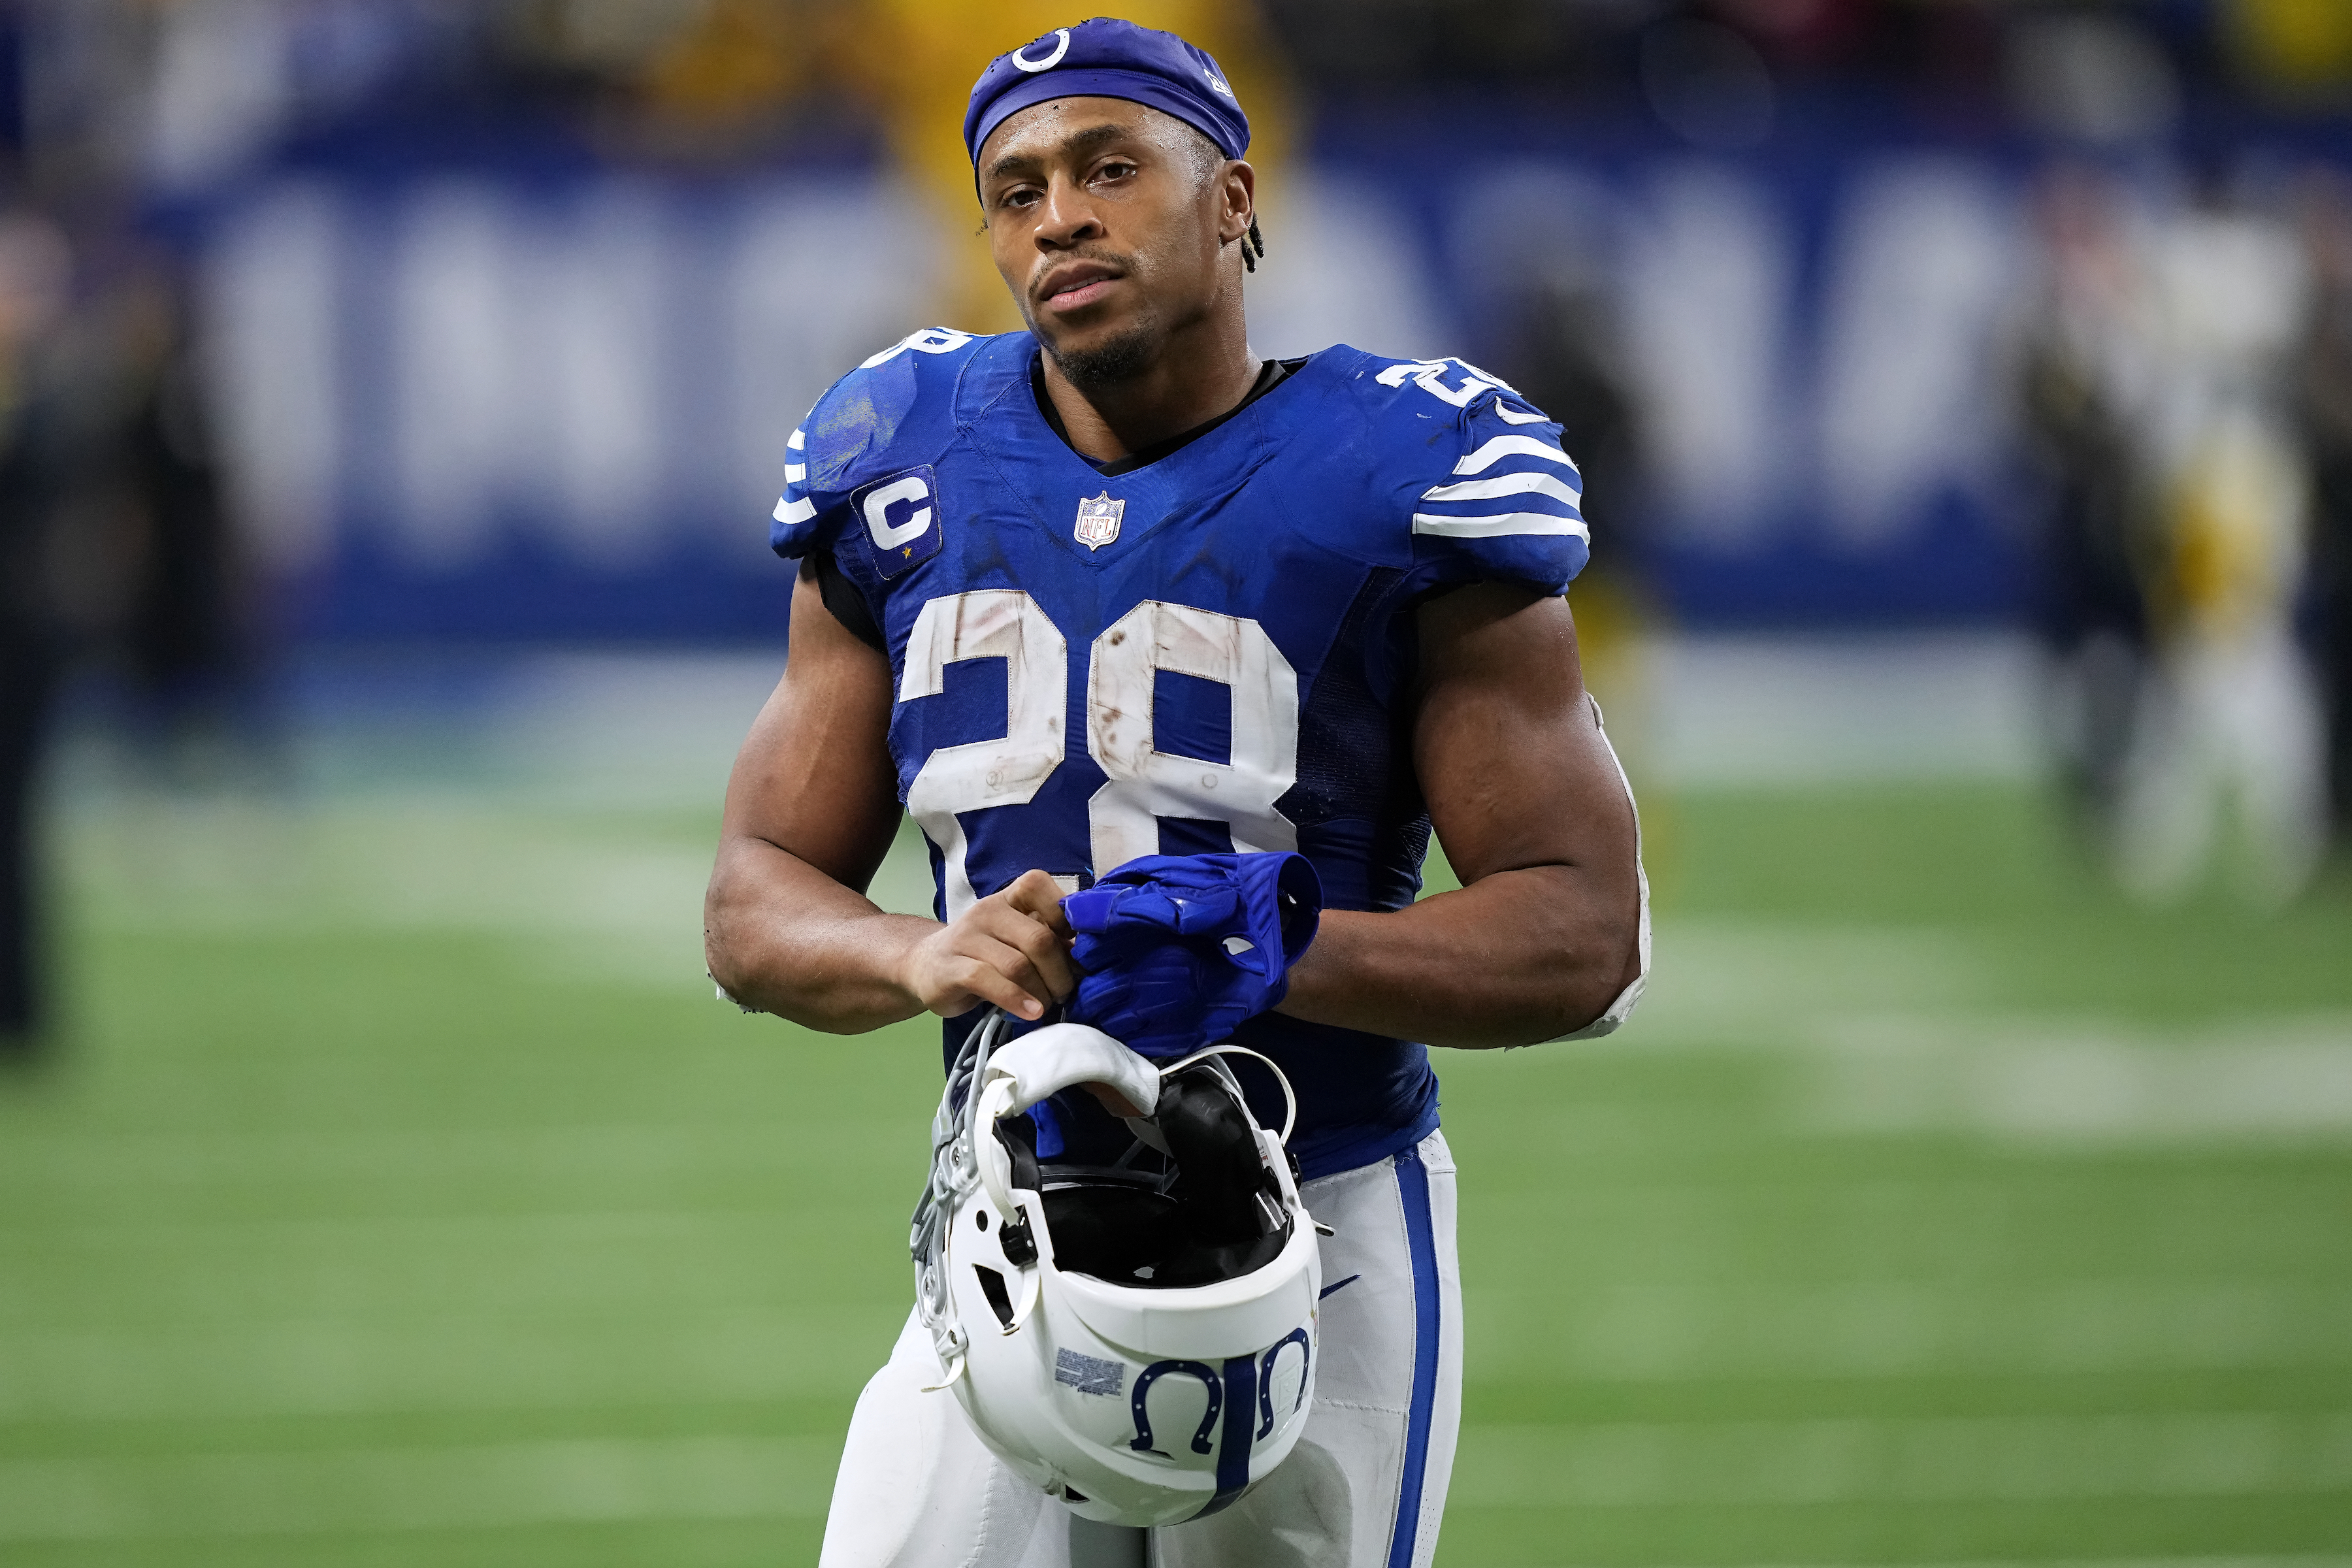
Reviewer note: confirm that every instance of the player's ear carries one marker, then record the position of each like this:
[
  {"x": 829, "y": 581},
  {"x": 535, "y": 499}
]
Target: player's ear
[{"x": 1237, "y": 206}]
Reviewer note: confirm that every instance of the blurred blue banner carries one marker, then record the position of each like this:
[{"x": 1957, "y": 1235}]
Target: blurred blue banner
[{"x": 517, "y": 401}]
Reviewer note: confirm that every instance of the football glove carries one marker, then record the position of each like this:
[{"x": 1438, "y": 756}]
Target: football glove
[{"x": 1176, "y": 951}]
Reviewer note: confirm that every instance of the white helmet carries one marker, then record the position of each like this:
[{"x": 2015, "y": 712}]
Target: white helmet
[{"x": 1139, "y": 1339}]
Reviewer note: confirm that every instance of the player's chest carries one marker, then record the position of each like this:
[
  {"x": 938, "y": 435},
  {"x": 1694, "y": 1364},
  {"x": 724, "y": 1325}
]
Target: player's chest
[
  {"x": 1252, "y": 613},
  {"x": 1223, "y": 540},
  {"x": 1128, "y": 619}
]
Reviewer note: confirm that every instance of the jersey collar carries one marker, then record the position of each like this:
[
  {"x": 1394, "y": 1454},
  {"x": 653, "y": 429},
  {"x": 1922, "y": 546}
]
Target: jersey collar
[{"x": 1000, "y": 416}]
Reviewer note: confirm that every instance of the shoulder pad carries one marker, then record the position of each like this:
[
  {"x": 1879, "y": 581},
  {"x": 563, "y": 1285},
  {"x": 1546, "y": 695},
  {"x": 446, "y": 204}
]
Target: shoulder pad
[
  {"x": 1490, "y": 492},
  {"x": 864, "y": 413},
  {"x": 895, "y": 411}
]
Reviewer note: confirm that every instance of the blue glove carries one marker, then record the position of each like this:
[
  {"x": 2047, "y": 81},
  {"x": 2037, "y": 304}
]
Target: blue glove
[{"x": 1177, "y": 950}]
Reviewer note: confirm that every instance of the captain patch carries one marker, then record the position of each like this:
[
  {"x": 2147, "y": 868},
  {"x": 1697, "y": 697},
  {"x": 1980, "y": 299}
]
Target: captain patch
[{"x": 901, "y": 515}]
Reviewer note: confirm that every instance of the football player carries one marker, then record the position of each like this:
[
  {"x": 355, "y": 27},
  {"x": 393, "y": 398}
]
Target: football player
[{"x": 1115, "y": 587}]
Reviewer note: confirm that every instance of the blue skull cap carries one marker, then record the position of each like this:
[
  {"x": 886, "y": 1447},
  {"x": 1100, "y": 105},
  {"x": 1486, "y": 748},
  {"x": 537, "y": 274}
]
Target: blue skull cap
[{"x": 1106, "y": 57}]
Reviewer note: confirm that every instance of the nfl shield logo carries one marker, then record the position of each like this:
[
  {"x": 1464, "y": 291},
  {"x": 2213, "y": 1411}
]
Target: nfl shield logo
[{"x": 1098, "y": 521}]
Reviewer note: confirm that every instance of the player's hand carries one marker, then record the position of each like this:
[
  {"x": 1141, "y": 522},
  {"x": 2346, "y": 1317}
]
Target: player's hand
[{"x": 1011, "y": 947}]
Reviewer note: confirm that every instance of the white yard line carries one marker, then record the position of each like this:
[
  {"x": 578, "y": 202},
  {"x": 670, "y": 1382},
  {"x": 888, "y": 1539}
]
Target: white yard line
[
  {"x": 1729, "y": 710},
  {"x": 1905, "y": 1460},
  {"x": 465, "y": 1359},
  {"x": 481, "y": 1487},
  {"x": 1643, "y": 1332}
]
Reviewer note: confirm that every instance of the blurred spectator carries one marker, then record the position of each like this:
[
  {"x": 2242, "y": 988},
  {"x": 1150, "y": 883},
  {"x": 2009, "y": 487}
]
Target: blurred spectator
[
  {"x": 2293, "y": 49},
  {"x": 186, "y": 634},
  {"x": 2235, "y": 729},
  {"x": 1559, "y": 349},
  {"x": 33, "y": 265},
  {"x": 2324, "y": 388},
  {"x": 2081, "y": 362}
]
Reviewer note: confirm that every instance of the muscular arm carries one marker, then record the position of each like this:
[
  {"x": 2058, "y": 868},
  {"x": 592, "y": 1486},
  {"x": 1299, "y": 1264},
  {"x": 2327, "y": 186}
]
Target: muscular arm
[
  {"x": 1532, "y": 813},
  {"x": 811, "y": 810}
]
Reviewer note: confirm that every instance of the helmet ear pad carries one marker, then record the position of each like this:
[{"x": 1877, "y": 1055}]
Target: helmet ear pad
[
  {"x": 1210, "y": 1138},
  {"x": 1230, "y": 1216}
]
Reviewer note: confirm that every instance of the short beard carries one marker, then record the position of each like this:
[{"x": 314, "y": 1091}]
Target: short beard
[{"x": 1124, "y": 358}]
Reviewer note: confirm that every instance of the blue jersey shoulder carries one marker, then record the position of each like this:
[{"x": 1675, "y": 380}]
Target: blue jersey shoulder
[
  {"x": 1470, "y": 468},
  {"x": 896, "y": 411}
]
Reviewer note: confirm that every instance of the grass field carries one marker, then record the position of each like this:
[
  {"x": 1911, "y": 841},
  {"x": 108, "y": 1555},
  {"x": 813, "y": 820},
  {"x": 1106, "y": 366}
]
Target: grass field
[{"x": 403, "y": 1197}]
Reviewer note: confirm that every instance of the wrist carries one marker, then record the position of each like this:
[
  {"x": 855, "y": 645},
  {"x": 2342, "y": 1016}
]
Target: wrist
[
  {"x": 1318, "y": 972},
  {"x": 894, "y": 948}
]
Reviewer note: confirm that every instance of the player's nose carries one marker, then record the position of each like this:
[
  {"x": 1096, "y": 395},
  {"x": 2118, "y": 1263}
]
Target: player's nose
[{"x": 1068, "y": 217}]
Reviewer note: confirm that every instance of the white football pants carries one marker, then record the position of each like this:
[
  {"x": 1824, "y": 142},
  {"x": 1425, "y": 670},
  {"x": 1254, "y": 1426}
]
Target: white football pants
[{"x": 1364, "y": 1488}]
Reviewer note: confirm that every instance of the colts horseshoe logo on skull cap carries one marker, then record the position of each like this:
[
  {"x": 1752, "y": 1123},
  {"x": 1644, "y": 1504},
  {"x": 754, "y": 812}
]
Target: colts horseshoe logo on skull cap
[{"x": 1020, "y": 56}]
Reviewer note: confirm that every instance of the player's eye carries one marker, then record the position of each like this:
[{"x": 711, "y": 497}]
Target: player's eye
[
  {"x": 1017, "y": 196},
  {"x": 1115, "y": 169}
]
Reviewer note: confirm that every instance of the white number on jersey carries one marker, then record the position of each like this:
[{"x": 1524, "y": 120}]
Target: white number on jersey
[
  {"x": 1429, "y": 374},
  {"x": 929, "y": 341},
  {"x": 987, "y": 623},
  {"x": 1145, "y": 783}
]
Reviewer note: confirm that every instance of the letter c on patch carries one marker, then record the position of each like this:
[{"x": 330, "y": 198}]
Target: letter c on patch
[{"x": 878, "y": 503}]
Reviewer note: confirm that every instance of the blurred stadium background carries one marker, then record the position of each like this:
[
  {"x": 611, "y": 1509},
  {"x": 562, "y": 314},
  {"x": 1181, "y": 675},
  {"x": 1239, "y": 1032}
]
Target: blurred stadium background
[{"x": 394, "y": 394}]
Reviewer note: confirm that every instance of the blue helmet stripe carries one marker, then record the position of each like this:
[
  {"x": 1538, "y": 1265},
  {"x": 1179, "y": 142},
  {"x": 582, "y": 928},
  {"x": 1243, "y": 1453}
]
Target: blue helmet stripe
[{"x": 1234, "y": 1446}]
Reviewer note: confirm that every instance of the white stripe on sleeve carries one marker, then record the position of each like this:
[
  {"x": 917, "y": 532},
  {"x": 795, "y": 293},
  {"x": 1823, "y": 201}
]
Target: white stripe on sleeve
[
  {"x": 1506, "y": 485},
  {"x": 1503, "y": 446},
  {"x": 797, "y": 443},
  {"x": 794, "y": 511},
  {"x": 1513, "y": 416},
  {"x": 795, "y": 472},
  {"x": 1506, "y": 522}
]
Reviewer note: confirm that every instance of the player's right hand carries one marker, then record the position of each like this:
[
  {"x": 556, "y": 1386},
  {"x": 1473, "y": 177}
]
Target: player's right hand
[{"x": 1011, "y": 947}]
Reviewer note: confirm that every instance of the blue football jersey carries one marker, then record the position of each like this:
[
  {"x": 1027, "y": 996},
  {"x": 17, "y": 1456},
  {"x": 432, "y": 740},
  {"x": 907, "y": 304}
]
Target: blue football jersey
[{"x": 1215, "y": 651}]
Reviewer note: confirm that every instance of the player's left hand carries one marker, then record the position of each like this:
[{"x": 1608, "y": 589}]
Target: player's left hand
[
  {"x": 1009, "y": 947},
  {"x": 1178, "y": 950}
]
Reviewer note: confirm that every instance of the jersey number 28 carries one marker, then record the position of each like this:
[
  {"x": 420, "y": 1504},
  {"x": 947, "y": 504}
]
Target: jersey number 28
[{"x": 1142, "y": 783}]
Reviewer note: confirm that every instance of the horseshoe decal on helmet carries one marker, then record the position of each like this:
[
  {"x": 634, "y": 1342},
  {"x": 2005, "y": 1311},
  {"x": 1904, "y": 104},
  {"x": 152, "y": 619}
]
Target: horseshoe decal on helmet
[
  {"x": 1020, "y": 56},
  {"x": 1266, "y": 1381},
  {"x": 1150, "y": 1375}
]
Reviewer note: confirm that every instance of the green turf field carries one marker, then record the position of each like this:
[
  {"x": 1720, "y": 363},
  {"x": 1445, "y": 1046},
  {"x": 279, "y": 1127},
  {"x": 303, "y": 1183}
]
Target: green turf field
[{"x": 404, "y": 1198}]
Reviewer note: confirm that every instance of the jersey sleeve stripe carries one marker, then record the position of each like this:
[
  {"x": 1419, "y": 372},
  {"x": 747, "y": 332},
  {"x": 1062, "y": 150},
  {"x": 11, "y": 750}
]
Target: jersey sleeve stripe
[
  {"x": 1510, "y": 415},
  {"x": 797, "y": 512},
  {"x": 1503, "y": 446},
  {"x": 797, "y": 443},
  {"x": 1503, "y": 523},
  {"x": 1507, "y": 485},
  {"x": 794, "y": 473}
]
